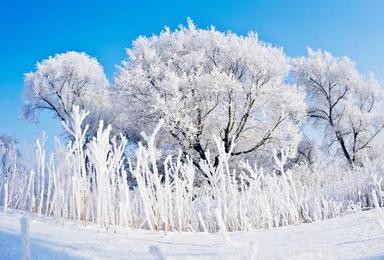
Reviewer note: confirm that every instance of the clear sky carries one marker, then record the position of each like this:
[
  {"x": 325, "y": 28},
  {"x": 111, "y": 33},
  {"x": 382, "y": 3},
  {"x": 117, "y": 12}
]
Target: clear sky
[{"x": 32, "y": 30}]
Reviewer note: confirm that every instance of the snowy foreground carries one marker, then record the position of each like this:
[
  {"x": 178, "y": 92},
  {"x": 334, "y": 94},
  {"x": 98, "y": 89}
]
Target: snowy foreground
[{"x": 355, "y": 236}]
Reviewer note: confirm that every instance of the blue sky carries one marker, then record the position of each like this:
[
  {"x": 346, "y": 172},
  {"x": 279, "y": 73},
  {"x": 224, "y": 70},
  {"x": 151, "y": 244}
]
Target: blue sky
[{"x": 32, "y": 30}]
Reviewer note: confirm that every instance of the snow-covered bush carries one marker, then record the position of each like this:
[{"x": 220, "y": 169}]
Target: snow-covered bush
[
  {"x": 88, "y": 182},
  {"x": 380, "y": 212}
]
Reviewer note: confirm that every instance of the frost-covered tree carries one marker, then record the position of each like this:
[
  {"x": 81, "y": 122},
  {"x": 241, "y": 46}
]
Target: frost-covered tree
[
  {"x": 307, "y": 152},
  {"x": 9, "y": 154},
  {"x": 345, "y": 103},
  {"x": 65, "y": 80},
  {"x": 10, "y": 164},
  {"x": 205, "y": 83}
]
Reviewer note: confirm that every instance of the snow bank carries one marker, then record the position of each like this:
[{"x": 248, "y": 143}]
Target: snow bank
[{"x": 353, "y": 236}]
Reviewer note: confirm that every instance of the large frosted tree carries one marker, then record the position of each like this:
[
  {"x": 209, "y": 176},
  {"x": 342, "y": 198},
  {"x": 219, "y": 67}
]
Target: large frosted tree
[
  {"x": 342, "y": 101},
  {"x": 206, "y": 83},
  {"x": 65, "y": 80}
]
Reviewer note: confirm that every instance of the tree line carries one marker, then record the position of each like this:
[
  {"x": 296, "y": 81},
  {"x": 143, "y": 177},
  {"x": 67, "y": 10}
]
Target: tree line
[{"x": 204, "y": 83}]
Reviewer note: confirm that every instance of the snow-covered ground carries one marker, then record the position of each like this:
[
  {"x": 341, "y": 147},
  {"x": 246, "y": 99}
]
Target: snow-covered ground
[{"x": 355, "y": 236}]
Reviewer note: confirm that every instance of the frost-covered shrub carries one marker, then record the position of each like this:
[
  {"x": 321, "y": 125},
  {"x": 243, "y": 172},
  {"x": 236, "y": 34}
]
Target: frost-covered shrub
[
  {"x": 10, "y": 163},
  {"x": 88, "y": 182}
]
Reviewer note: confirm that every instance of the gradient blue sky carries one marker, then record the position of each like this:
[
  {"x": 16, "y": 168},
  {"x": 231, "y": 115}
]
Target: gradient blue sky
[{"x": 32, "y": 30}]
